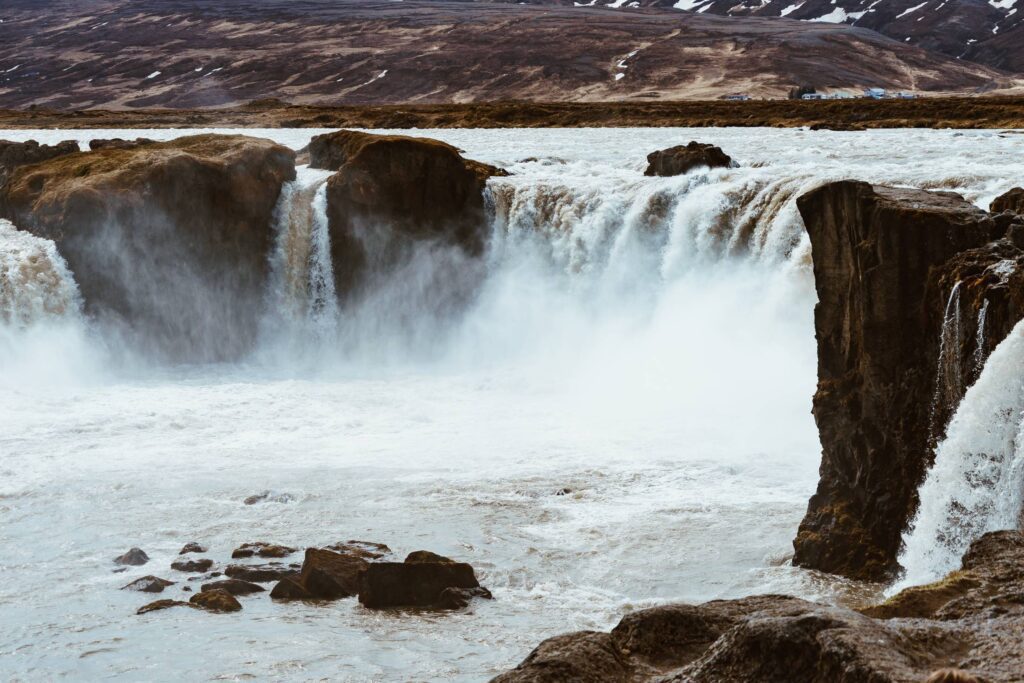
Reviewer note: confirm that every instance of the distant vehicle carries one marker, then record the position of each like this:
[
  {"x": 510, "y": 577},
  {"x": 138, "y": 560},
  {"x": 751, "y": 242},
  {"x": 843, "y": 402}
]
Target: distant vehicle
[
  {"x": 812, "y": 96},
  {"x": 875, "y": 93},
  {"x": 740, "y": 97},
  {"x": 906, "y": 96},
  {"x": 841, "y": 96}
]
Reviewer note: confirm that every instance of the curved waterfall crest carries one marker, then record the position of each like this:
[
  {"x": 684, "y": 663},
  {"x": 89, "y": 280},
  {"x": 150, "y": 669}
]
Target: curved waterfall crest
[{"x": 977, "y": 481}]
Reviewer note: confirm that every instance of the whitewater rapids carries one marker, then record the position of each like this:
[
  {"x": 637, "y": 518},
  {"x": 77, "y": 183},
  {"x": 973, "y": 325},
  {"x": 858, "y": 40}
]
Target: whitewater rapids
[{"x": 646, "y": 343}]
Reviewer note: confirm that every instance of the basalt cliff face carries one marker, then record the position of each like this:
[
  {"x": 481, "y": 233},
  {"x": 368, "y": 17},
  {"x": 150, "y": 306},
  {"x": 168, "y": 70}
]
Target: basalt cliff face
[
  {"x": 168, "y": 242},
  {"x": 971, "y": 620},
  {"x": 898, "y": 343}
]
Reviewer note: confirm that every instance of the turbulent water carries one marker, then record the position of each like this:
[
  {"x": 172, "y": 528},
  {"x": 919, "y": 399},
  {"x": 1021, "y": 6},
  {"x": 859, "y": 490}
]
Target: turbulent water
[{"x": 645, "y": 343}]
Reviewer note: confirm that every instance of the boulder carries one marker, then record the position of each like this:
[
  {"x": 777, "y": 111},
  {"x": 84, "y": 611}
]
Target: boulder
[
  {"x": 135, "y": 557},
  {"x": 261, "y": 573},
  {"x": 169, "y": 242},
  {"x": 682, "y": 158},
  {"x": 1012, "y": 201},
  {"x": 148, "y": 584},
  {"x": 16, "y": 154},
  {"x": 420, "y": 581},
  {"x": 329, "y": 575},
  {"x": 192, "y": 547},
  {"x": 161, "y": 604},
  {"x": 261, "y": 549},
  {"x": 217, "y": 600},
  {"x": 390, "y": 191},
  {"x": 194, "y": 566},
  {"x": 367, "y": 550},
  {"x": 118, "y": 143},
  {"x": 290, "y": 588},
  {"x": 975, "y": 627},
  {"x": 459, "y": 598},
  {"x": 234, "y": 586},
  {"x": 878, "y": 323}
]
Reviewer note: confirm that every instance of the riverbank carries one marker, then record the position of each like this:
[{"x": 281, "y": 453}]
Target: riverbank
[{"x": 854, "y": 114}]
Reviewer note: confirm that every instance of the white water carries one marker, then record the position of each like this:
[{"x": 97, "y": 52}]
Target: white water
[
  {"x": 645, "y": 342},
  {"x": 977, "y": 482}
]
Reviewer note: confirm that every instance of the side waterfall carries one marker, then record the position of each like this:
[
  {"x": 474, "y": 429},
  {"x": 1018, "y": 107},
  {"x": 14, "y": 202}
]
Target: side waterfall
[
  {"x": 977, "y": 481},
  {"x": 948, "y": 383},
  {"x": 35, "y": 283},
  {"x": 302, "y": 297}
]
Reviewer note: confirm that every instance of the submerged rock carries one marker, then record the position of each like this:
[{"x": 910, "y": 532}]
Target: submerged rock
[
  {"x": 192, "y": 547},
  {"x": 135, "y": 557},
  {"x": 168, "y": 242},
  {"x": 261, "y": 573},
  {"x": 367, "y": 550},
  {"x": 216, "y": 600},
  {"x": 261, "y": 549},
  {"x": 194, "y": 566},
  {"x": 976, "y": 627},
  {"x": 268, "y": 497},
  {"x": 161, "y": 604},
  {"x": 878, "y": 323},
  {"x": 148, "y": 584},
  {"x": 421, "y": 581},
  {"x": 682, "y": 158},
  {"x": 234, "y": 586},
  {"x": 389, "y": 191}
]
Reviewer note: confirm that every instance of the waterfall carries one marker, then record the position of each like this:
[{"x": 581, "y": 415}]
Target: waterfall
[
  {"x": 948, "y": 379},
  {"x": 977, "y": 481},
  {"x": 35, "y": 283},
  {"x": 302, "y": 298},
  {"x": 979, "y": 338}
]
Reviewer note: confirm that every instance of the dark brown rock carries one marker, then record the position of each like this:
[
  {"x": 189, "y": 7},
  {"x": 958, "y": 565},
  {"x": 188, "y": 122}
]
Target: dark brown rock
[
  {"x": 118, "y": 143},
  {"x": 416, "y": 583},
  {"x": 330, "y": 575},
  {"x": 390, "y": 191},
  {"x": 1012, "y": 201},
  {"x": 168, "y": 242},
  {"x": 148, "y": 584},
  {"x": 261, "y": 573},
  {"x": 459, "y": 598},
  {"x": 216, "y": 600},
  {"x": 418, "y": 556},
  {"x": 682, "y": 158},
  {"x": 878, "y": 325},
  {"x": 161, "y": 604},
  {"x": 268, "y": 497},
  {"x": 290, "y": 588},
  {"x": 192, "y": 547},
  {"x": 16, "y": 154},
  {"x": 234, "y": 586},
  {"x": 367, "y": 550},
  {"x": 194, "y": 566},
  {"x": 261, "y": 549},
  {"x": 971, "y": 621},
  {"x": 135, "y": 557}
]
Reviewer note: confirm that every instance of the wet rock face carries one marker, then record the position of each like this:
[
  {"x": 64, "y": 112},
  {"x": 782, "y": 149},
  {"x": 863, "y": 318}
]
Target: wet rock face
[
  {"x": 195, "y": 566},
  {"x": 778, "y": 639},
  {"x": 682, "y": 158},
  {"x": 1012, "y": 201},
  {"x": 234, "y": 587},
  {"x": 878, "y": 322},
  {"x": 261, "y": 573},
  {"x": 390, "y": 191},
  {"x": 16, "y": 154},
  {"x": 216, "y": 600},
  {"x": 136, "y": 557},
  {"x": 421, "y": 581},
  {"x": 148, "y": 584},
  {"x": 261, "y": 549},
  {"x": 329, "y": 575},
  {"x": 168, "y": 242}
]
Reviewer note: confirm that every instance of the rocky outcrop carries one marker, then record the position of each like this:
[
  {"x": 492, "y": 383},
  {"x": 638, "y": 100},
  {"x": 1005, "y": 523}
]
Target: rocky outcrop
[
  {"x": 136, "y": 557},
  {"x": 234, "y": 587},
  {"x": 195, "y": 566},
  {"x": 1012, "y": 201},
  {"x": 16, "y": 154},
  {"x": 216, "y": 600},
  {"x": 192, "y": 547},
  {"x": 161, "y": 605},
  {"x": 168, "y": 242},
  {"x": 391, "y": 191},
  {"x": 148, "y": 584},
  {"x": 682, "y": 158},
  {"x": 261, "y": 573},
  {"x": 421, "y": 581},
  {"x": 879, "y": 255},
  {"x": 975, "y": 626},
  {"x": 261, "y": 549}
]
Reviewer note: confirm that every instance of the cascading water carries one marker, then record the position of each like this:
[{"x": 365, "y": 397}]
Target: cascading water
[
  {"x": 979, "y": 338},
  {"x": 302, "y": 301},
  {"x": 948, "y": 374},
  {"x": 35, "y": 283},
  {"x": 977, "y": 481}
]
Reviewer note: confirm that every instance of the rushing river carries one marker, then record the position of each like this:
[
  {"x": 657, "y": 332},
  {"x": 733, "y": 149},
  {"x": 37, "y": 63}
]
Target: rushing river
[{"x": 643, "y": 346}]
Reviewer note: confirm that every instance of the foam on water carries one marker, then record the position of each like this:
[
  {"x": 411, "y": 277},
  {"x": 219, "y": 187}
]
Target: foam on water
[
  {"x": 646, "y": 343},
  {"x": 977, "y": 482}
]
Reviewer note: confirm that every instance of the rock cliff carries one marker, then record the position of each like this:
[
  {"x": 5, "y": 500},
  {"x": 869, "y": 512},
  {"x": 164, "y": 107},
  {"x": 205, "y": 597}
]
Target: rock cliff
[
  {"x": 886, "y": 262},
  {"x": 168, "y": 241}
]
